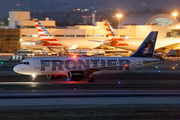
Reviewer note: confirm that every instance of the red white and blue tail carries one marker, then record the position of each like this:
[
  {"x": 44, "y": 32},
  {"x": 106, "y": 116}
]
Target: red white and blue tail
[
  {"x": 109, "y": 29},
  {"x": 114, "y": 38},
  {"x": 44, "y": 34}
]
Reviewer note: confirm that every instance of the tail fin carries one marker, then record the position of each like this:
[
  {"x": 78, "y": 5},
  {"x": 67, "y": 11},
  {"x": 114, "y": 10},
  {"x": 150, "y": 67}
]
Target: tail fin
[
  {"x": 111, "y": 32},
  {"x": 146, "y": 49},
  {"x": 44, "y": 34},
  {"x": 115, "y": 40}
]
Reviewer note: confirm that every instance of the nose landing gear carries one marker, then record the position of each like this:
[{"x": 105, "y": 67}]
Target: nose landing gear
[
  {"x": 33, "y": 76},
  {"x": 90, "y": 79}
]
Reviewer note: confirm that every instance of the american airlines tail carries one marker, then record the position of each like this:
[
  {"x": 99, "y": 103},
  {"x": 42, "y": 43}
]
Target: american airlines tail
[
  {"x": 109, "y": 29},
  {"x": 46, "y": 37},
  {"x": 116, "y": 40},
  {"x": 146, "y": 49},
  {"x": 44, "y": 34}
]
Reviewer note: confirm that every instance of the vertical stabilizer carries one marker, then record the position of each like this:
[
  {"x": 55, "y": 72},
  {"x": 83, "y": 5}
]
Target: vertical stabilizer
[
  {"x": 109, "y": 29},
  {"x": 44, "y": 34},
  {"x": 146, "y": 49}
]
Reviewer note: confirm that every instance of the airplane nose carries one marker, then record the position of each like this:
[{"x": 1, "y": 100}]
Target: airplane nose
[{"x": 16, "y": 69}]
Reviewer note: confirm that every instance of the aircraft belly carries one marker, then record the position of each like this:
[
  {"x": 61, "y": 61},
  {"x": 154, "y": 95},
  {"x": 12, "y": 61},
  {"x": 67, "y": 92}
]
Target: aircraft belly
[{"x": 81, "y": 44}]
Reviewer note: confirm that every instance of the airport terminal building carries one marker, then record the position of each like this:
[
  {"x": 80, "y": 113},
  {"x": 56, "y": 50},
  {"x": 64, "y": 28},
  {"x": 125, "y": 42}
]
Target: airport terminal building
[{"x": 22, "y": 33}]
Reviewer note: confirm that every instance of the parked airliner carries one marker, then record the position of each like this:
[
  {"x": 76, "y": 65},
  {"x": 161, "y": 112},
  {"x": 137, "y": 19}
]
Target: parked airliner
[
  {"x": 76, "y": 68},
  {"x": 162, "y": 45},
  {"x": 81, "y": 43}
]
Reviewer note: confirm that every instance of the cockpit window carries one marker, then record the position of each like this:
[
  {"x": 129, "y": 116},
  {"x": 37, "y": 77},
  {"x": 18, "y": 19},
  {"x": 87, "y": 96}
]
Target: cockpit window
[{"x": 25, "y": 63}]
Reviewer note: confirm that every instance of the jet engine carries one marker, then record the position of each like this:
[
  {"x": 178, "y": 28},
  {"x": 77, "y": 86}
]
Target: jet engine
[{"x": 75, "y": 75}]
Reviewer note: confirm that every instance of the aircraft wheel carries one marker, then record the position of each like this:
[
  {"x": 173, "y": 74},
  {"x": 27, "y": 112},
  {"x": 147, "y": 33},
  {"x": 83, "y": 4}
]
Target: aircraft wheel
[
  {"x": 91, "y": 80},
  {"x": 34, "y": 80}
]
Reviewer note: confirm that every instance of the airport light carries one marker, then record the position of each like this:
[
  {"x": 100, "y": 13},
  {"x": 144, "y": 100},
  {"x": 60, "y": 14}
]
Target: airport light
[
  {"x": 175, "y": 14},
  {"x": 119, "y": 16}
]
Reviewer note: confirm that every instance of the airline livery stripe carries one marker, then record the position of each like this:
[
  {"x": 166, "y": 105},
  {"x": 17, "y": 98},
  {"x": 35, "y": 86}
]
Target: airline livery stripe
[
  {"x": 112, "y": 39},
  {"x": 110, "y": 34},
  {"x": 105, "y": 24},
  {"x": 52, "y": 44},
  {"x": 49, "y": 39},
  {"x": 39, "y": 30},
  {"x": 119, "y": 44},
  {"x": 108, "y": 30},
  {"x": 42, "y": 35},
  {"x": 37, "y": 26}
]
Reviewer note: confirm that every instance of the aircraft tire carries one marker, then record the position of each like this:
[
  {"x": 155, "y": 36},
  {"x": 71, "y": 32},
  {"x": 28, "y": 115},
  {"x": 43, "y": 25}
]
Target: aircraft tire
[
  {"x": 91, "y": 80},
  {"x": 33, "y": 80}
]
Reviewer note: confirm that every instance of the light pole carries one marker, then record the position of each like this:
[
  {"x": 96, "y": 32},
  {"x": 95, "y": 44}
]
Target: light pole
[
  {"x": 119, "y": 17},
  {"x": 175, "y": 14}
]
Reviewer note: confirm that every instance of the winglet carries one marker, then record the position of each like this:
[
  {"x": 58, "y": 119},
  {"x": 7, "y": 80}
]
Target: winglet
[{"x": 146, "y": 49}]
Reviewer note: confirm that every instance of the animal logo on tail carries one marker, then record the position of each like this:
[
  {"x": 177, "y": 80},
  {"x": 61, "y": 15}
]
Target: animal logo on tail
[{"x": 146, "y": 49}]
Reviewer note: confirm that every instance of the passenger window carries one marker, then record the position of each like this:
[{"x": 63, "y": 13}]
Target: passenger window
[{"x": 27, "y": 63}]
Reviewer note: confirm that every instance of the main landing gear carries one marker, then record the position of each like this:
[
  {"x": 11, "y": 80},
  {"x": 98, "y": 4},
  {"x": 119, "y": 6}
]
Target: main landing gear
[{"x": 90, "y": 79}]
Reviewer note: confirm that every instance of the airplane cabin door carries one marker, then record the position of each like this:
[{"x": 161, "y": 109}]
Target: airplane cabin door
[
  {"x": 133, "y": 64},
  {"x": 37, "y": 63}
]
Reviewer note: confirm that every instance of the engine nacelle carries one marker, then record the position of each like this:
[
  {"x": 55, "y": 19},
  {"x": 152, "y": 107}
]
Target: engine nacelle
[
  {"x": 75, "y": 75},
  {"x": 54, "y": 76}
]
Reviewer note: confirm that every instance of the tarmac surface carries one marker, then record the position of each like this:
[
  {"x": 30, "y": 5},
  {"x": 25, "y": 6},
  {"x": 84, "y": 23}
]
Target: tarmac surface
[{"x": 151, "y": 92}]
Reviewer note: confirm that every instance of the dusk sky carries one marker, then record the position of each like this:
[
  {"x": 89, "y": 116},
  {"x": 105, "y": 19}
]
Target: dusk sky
[{"x": 60, "y": 5}]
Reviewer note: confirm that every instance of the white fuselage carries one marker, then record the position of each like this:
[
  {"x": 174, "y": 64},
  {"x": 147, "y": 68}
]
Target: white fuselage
[
  {"x": 74, "y": 43},
  {"x": 61, "y": 65},
  {"x": 134, "y": 43}
]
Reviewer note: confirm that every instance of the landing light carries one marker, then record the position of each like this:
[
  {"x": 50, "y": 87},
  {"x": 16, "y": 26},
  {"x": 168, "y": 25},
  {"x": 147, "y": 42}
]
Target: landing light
[
  {"x": 74, "y": 56},
  {"x": 33, "y": 75}
]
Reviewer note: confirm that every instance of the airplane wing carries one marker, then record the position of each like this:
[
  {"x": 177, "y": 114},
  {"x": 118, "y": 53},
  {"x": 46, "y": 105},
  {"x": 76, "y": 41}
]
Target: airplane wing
[
  {"x": 167, "y": 48},
  {"x": 95, "y": 40}
]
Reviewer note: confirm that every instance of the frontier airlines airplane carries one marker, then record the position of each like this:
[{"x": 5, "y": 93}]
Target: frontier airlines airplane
[{"x": 76, "y": 68}]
